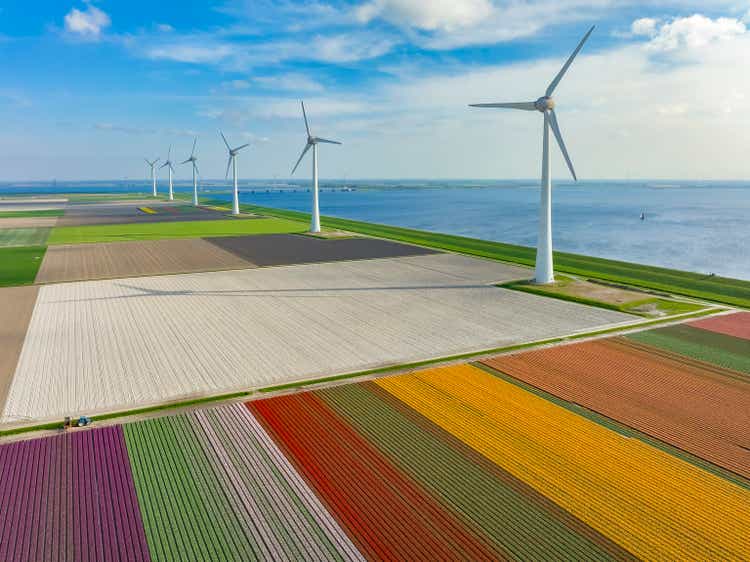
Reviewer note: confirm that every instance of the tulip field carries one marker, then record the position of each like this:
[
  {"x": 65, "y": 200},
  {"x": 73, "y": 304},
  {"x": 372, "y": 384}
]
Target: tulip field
[{"x": 451, "y": 463}]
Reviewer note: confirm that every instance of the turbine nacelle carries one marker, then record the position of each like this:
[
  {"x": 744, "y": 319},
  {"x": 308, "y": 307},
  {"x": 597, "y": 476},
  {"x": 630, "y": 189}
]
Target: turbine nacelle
[{"x": 544, "y": 104}]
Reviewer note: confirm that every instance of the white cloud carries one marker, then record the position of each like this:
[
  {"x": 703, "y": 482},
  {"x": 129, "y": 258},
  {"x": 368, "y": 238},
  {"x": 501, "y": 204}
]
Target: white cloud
[
  {"x": 164, "y": 27},
  {"x": 291, "y": 82},
  {"x": 693, "y": 32},
  {"x": 184, "y": 51},
  {"x": 431, "y": 15},
  {"x": 644, "y": 26},
  {"x": 88, "y": 23},
  {"x": 235, "y": 85}
]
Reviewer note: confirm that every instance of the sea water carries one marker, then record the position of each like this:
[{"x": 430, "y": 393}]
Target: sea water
[{"x": 694, "y": 226}]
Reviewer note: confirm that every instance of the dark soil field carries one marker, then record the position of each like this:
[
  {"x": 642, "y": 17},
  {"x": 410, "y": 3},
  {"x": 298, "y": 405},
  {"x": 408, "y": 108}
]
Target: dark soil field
[{"x": 288, "y": 249}]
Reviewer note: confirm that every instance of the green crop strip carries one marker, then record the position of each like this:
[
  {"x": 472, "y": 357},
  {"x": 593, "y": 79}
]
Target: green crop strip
[
  {"x": 31, "y": 214},
  {"x": 19, "y": 266},
  {"x": 159, "y": 230},
  {"x": 24, "y": 236},
  {"x": 719, "y": 349}
]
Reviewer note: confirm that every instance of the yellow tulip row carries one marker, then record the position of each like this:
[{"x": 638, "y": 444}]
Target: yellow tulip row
[{"x": 648, "y": 501}]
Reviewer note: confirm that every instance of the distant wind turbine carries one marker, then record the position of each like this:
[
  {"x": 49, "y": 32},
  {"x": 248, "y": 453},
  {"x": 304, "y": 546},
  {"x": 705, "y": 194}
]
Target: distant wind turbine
[
  {"x": 168, "y": 164},
  {"x": 233, "y": 163},
  {"x": 313, "y": 142},
  {"x": 546, "y": 105},
  {"x": 152, "y": 165},
  {"x": 194, "y": 161}
]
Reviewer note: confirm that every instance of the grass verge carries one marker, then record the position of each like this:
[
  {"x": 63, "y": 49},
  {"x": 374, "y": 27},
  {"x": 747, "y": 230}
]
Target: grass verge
[
  {"x": 19, "y": 266},
  {"x": 160, "y": 230},
  {"x": 713, "y": 288},
  {"x": 31, "y": 214}
]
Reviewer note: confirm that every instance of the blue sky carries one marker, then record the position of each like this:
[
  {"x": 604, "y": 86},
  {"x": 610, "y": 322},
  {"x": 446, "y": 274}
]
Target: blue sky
[{"x": 90, "y": 88}]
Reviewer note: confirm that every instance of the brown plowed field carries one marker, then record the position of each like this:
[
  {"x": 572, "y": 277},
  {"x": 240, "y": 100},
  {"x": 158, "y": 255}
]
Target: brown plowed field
[
  {"x": 289, "y": 249},
  {"x": 737, "y": 325},
  {"x": 134, "y": 259},
  {"x": 28, "y": 222},
  {"x": 16, "y": 307},
  {"x": 702, "y": 410}
]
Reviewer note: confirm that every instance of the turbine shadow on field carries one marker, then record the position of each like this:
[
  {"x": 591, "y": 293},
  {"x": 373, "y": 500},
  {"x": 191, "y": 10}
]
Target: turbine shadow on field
[{"x": 281, "y": 293}]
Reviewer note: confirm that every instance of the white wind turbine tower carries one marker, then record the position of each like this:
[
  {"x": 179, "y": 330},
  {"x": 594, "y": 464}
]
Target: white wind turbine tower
[
  {"x": 168, "y": 164},
  {"x": 152, "y": 165},
  {"x": 546, "y": 105},
  {"x": 194, "y": 161},
  {"x": 313, "y": 142},
  {"x": 233, "y": 162}
]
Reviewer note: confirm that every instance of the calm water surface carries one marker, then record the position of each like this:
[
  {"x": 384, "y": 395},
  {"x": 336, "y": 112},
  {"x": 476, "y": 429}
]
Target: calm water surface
[{"x": 696, "y": 226}]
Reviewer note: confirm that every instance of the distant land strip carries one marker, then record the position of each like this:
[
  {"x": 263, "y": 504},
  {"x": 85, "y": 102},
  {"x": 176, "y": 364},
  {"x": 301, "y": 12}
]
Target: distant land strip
[{"x": 709, "y": 287}]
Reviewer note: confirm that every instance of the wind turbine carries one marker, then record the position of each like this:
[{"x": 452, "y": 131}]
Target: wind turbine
[
  {"x": 168, "y": 164},
  {"x": 313, "y": 142},
  {"x": 194, "y": 161},
  {"x": 546, "y": 105},
  {"x": 233, "y": 163},
  {"x": 153, "y": 172}
]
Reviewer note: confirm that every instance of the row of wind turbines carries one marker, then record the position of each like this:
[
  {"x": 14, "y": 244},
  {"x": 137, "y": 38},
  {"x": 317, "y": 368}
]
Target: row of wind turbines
[
  {"x": 544, "y": 272},
  {"x": 312, "y": 142}
]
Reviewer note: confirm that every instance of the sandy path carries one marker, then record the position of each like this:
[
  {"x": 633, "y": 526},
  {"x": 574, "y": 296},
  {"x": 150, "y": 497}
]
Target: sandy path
[
  {"x": 16, "y": 307},
  {"x": 134, "y": 259}
]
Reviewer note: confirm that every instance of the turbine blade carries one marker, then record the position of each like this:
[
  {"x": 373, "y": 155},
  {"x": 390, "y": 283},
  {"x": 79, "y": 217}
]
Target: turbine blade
[
  {"x": 229, "y": 163},
  {"x": 241, "y": 147},
  {"x": 155, "y": 161},
  {"x": 524, "y": 105},
  {"x": 305, "y": 116},
  {"x": 558, "y": 136},
  {"x": 564, "y": 69},
  {"x": 147, "y": 162},
  {"x": 169, "y": 154},
  {"x": 164, "y": 165},
  {"x": 307, "y": 147},
  {"x": 192, "y": 152},
  {"x": 225, "y": 140},
  {"x": 186, "y": 161},
  {"x": 195, "y": 165},
  {"x": 318, "y": 139}
]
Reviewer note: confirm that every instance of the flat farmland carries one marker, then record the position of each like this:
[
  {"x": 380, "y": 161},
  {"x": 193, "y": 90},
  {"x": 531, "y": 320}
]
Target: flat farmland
[
  {"x": 692, "y": 405},
  {"x": 23, "y": 236},
  {"x": 102, "y": 345},
  {"x": 27, "y": 222},
  {"x": 440, "y": 464},
  {"x": 737, "y": 325},
  {"x": 287, "y": 249},
  {"x": 16, "y": 307},
  {"x": 134, "y": 259},
  {"x": 130, "y": 212},
  {"x": 179, "y": 229}
]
